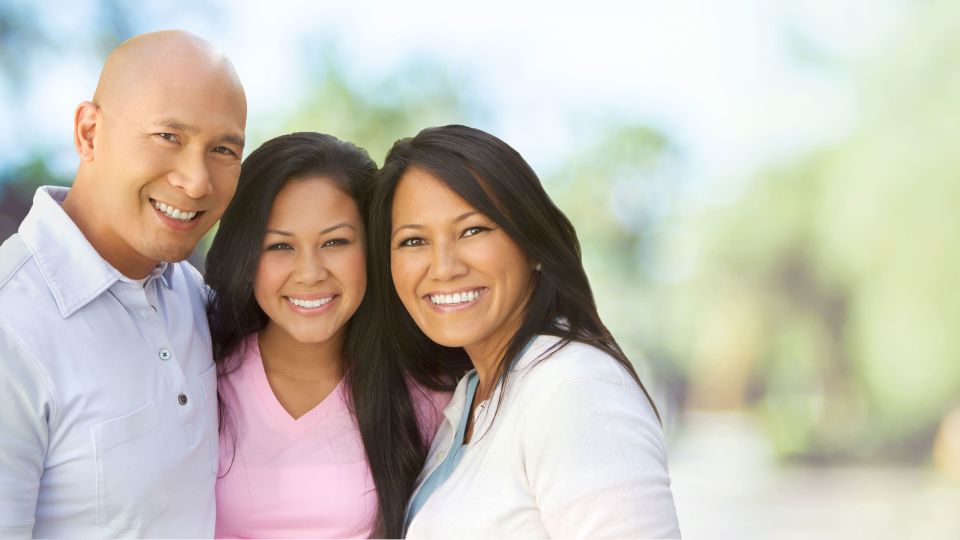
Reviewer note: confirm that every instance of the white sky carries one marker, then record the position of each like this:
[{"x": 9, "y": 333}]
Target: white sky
[{"x": 716, "y": 76}]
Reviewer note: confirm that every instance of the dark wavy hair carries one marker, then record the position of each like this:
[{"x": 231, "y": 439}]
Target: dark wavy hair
[
  {"x": 379, "y": 396},
  {"x": 493, "y": 178}
]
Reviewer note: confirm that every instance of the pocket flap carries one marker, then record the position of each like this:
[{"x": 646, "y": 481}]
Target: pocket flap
[{"x": 127, "y": 427}]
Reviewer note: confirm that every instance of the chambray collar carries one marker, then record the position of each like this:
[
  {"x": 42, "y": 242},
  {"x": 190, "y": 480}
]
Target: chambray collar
[{"x": 72, "y": 269}]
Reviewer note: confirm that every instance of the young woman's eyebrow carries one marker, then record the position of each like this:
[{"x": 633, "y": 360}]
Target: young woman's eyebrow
[{"x": 324, "y": 231}]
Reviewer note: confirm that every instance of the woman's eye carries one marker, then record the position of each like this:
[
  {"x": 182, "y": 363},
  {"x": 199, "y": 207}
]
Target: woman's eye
[
  {"x": 411, "y": 242},
  {"x": 336, "y": 242},
  {"x": 474, "y": 230},
  {"x": 278, "y": 246}
]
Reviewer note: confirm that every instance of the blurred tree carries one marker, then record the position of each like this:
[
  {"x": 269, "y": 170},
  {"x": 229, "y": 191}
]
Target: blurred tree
[
  {"x": 23, "y": 39},
  {"x": 618, "y": 192},
  {"x": 825, "y": 295},
  {"x": 374, "y": 116}
]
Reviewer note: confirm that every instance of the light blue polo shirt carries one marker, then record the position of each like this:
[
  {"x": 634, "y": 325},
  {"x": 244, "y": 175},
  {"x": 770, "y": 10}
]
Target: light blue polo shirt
[{"x": 108, "y": 403}]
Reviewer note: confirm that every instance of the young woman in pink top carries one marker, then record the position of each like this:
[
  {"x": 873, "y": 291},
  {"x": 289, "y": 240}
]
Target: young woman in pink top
[{"x": 318, "y": 439}]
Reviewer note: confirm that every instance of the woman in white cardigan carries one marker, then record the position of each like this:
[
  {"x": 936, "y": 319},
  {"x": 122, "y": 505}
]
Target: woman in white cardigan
[{"x": 551, "y": 432}]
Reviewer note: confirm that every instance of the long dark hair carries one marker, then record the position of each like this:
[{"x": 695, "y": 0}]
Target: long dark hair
[
  {"x": 379, "y": 396},
  {"x": 493, "y": 178}
]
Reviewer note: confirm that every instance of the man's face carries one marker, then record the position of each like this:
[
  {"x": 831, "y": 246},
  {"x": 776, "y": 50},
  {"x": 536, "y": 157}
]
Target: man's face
[{"x": 167, "y": 162}]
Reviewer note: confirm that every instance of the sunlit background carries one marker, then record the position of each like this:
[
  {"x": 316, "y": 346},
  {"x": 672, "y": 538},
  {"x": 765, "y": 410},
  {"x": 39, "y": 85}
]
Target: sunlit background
[{"x": 767, "y": 194}]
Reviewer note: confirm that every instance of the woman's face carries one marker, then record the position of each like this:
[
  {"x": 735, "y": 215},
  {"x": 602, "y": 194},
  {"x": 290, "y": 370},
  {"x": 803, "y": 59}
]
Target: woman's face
[
  {"x": 312, "y": 274},
  {"x": 463, "y": 280}
]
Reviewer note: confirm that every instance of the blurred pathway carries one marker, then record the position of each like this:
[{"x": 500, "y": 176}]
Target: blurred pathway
[{"x": 728, "y": 486}]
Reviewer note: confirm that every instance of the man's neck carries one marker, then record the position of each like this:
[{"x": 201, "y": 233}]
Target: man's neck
[{"x": 111, "y": 248}]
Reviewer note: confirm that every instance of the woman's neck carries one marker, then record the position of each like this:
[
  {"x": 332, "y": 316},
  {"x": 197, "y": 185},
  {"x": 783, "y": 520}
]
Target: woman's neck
[{"x": 281, "y": 353}]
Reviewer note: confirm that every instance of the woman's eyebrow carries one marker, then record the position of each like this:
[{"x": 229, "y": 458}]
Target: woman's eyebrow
[{"x": 324, "y": 231}]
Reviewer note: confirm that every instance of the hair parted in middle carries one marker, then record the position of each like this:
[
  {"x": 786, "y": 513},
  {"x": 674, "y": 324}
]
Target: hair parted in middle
[
  {"x": 495, "y": 179},
  {"x": 379, "y": 394}
]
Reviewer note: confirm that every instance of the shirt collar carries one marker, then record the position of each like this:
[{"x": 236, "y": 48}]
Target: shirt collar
[{"x": 72, "y": 269}]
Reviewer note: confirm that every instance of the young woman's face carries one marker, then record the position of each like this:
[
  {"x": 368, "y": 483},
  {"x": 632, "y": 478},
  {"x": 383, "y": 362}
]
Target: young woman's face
[
  {"x": 463, "y": 280},
  {"x": 312, "y": 273}
]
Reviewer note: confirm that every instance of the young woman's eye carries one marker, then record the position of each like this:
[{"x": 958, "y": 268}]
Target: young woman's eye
[
  {"x": 336, "y": 242},
  {"x": 474, "y": 231},
  {"x": 279, "y": 246},
  {"x": 411, "y": 242}
]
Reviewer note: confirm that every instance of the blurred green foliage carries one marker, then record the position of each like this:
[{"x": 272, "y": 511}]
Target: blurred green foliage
[
  {"x": 825, "y": 296},
  {"x": 821, "y": 298}
]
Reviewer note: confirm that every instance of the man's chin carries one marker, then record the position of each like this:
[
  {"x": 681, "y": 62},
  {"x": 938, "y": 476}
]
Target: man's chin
[{"x": 171, "y": 254}]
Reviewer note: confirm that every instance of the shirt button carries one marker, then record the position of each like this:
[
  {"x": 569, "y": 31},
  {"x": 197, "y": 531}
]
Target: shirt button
[
  {"x": 440, "y": 455},
  {"x": 165, "y": 354},
  {"x": 182, "y": 398}
]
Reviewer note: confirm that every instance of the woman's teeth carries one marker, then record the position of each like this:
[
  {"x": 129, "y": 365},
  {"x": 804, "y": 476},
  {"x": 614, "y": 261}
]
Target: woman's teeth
[
  {"x": 456, "y": 298},
  {"x": 309, "y": 304}
]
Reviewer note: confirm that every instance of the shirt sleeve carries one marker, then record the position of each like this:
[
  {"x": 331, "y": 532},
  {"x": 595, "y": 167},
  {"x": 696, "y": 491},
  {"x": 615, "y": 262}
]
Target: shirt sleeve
[
  {"x": 26, "y": 407},
  {"x": 595, "y": 460}
]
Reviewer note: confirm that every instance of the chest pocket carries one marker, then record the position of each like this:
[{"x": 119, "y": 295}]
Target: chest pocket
[{"x": 130, "y": 488}]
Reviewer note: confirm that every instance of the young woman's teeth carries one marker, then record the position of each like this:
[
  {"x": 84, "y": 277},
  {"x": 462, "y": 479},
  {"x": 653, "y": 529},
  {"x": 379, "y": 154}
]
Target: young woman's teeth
[
  {"x": 309, "y": 304},
  {"x": 175, "y": 213},
  {"x": 456, "y": 298}
]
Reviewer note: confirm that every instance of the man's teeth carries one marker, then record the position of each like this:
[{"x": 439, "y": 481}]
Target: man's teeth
[
  {"x": 456, "y": 298},
  {"x": 175, "y": 213},
  {"x": 309, "y": 304}
]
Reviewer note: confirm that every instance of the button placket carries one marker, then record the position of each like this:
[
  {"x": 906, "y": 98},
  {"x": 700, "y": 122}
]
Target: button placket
[
  {"x": 143, "y": 306},
  {"x": 155, "y": 331}
]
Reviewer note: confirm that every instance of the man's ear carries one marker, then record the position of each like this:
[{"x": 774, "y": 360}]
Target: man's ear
[{"x": 86, "y": 120}]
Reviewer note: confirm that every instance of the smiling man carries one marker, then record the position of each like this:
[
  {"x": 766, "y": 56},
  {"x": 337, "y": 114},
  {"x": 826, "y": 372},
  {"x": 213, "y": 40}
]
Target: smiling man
[{"x": 108, "y": 404}]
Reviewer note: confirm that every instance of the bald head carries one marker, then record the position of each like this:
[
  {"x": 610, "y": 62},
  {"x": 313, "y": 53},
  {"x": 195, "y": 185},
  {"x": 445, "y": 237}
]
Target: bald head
[
  {"x": 160, "y": 148},
  {"x": 173, "y": 58}
]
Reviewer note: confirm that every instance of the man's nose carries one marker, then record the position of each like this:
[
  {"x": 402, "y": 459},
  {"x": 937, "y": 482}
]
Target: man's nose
[{"x": 192, "y": 175}]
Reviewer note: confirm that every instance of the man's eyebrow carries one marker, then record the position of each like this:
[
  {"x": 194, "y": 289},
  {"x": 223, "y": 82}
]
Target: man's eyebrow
[
  {"x": 179, "y": 125},
  {"x": 233, "y": 139}
]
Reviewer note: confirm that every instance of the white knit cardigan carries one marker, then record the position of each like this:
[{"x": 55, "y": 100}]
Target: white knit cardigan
[{"x": 575, "y": 450}]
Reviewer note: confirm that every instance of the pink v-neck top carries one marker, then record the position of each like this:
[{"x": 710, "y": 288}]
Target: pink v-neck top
[{"x": 308, "y": 477}]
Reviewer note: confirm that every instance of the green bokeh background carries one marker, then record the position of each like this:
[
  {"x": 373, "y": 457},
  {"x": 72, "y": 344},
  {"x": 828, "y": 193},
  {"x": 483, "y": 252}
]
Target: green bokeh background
[{"x": 817, "y": 299}]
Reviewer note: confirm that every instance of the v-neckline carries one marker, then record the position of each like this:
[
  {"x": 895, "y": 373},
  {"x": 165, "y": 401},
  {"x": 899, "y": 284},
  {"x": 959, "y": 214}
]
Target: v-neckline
[{"x": 294, "y": 426}]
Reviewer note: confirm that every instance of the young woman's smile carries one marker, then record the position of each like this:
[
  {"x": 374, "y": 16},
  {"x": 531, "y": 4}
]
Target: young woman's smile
[{"x": 312, "y": 272}]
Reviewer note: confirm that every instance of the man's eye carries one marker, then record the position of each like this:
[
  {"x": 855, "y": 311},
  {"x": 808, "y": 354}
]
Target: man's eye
[
  {"x": 168, "y": 137},
  {"x": 225, "y": 151}
]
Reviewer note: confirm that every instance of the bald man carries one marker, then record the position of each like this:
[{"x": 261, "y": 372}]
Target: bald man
[{"x": 108, "y": 402}]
